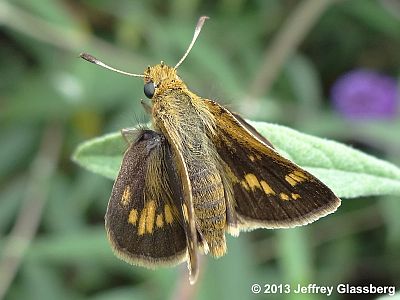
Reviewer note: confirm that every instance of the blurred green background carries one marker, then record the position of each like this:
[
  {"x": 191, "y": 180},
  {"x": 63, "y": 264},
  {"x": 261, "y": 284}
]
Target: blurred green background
[{"x": 273, "y": 60}]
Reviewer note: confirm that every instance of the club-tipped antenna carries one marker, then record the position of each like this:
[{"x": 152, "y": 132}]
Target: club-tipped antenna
[
  {"x": 197, "y": 30},
  {"x": 94, "y": 60}
]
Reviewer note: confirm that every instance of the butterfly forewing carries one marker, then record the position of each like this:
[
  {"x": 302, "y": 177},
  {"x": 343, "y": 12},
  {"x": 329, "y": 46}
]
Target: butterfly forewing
[
  {"x": 144, "y": 219},
  {"x": 269, "y": 190}
]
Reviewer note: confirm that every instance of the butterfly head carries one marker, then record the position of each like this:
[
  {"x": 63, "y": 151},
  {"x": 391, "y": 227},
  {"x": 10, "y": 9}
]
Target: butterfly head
[{"x": 159, "y": 78}]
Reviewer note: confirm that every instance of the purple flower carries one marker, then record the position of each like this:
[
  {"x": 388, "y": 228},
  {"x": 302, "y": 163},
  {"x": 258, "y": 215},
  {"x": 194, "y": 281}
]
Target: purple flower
[{"x": 365, "y": 94}]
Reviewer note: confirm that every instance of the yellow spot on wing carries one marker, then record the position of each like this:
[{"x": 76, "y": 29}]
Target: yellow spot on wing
[
  {"x": 252, "y": 158},
  {"x": 283, "y": 196},
  {"x": 244, "y": 184},
  {"x": 126, "y": 196},
  {"x": 185, "y": 212},
  {"x": 291, "y": 181},
  {"x": 168, "y": 214},
  {"x": 295, "y": 196},
  {"x": 159, "y": 221},
  {"x": 295, "y": 177},
  {"x": 300, "y": 174},
  {"x": 142, "y": 222},
  {"x": 151, "y": 208},
  {"x": 133, "y": 216},
  {"x": 252, "y": 181},
  {"x": 267, "y": 189}
]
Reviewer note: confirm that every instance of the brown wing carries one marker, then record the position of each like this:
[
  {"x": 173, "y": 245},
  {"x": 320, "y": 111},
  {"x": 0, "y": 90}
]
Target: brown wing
[
  {"x": 269, "y": 190},
  {"x": 144, "y": 220},
  {"x": 252, "y": 130}
]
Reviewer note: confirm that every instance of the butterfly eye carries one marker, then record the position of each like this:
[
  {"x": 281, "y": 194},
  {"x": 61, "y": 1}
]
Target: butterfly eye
[{"x": 149, "y": 89}]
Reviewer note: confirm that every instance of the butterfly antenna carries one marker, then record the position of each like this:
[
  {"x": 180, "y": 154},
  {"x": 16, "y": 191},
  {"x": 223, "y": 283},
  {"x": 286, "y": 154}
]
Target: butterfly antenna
[
  {"x": 199, "y": 25},
  {"x": 94, "y": 60}
]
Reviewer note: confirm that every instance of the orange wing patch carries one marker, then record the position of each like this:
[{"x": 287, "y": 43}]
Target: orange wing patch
[
  {"x": 133, "y": 217},
  {"x": 266, "y": 187},
  {"x": 148, "y": 218},
  {"x": 295, "y": 177},
  {"x": 284, "y": 196},
  {"x": 126, "y": 196},
  {"x": 168, "y": 214}
]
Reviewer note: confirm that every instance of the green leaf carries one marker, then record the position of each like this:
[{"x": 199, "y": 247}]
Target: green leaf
[
  {"x": 102, "y": 155},
  {"x": 348, "y": 172}
]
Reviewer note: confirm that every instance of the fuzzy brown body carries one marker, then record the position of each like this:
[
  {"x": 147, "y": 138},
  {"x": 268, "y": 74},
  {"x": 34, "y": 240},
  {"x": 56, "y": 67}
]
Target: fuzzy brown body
[{"x": 179, "y": 115}]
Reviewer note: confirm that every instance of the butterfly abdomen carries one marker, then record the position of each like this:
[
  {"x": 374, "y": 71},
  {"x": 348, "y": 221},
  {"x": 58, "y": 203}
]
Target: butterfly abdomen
[{"x": 210, "y": 209}]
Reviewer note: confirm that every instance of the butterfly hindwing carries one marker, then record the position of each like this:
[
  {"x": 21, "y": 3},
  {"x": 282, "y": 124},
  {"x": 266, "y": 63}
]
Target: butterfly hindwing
[
  {"x": 269, "y": 190},
  {"x": 144, "y": 220}
]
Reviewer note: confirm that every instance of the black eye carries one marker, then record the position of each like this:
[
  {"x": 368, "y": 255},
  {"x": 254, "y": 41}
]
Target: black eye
[{"x": 149, "y": 89}]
